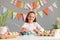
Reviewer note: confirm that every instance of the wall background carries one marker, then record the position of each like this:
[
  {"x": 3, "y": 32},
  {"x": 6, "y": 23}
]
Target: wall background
[{"x": 45, "y": 22}]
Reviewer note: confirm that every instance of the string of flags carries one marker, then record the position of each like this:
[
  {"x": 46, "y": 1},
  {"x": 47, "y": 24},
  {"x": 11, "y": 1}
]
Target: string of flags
[
  {"x": 34, "y": 5},
  {"x": 30, "y": 6}
]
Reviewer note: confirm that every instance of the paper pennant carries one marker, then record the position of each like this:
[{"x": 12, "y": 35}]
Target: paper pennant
[
  {"x": 12, "y": 1},
  {"x": 22, "y": 5},
  {"x": 36, "y": 14},
  {"x": 45, "y": 11},
  {"x": 44, "y": 1},
  {"x": 41, "y": 13},
  {"x": 4, "y": 9},
  {"x": 25, "y": 6},
  {"x": 14, "y": 15},
  {"x": 29, "y": 6},
  {"x": 24, "y": 16},
  {"x": 19, "y": 16},
  {"x": 37, "y": 8},
  {"x": 38, "y": 3},
  {"x": 51, "y": 8},
  {"x": 17, "y": 4},
  {"x": 54, "y": 5},
  {"x": 41, "y": 2},
  {"x": 34, "y": 5},
  {"x": 9, "y": 12}
]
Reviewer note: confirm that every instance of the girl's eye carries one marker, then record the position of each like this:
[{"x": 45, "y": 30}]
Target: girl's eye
[{"x": 33, "y": 17}]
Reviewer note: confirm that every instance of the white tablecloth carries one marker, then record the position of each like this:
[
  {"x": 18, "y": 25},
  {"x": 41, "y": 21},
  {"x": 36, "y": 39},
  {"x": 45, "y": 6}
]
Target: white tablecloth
[{"x": 31, "y": 37}]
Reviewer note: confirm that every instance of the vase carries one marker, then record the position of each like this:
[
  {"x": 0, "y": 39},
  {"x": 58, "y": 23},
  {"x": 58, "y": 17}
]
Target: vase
[
  {"x": 3, "y": 30},
  {"x": 57, "y": 33}
]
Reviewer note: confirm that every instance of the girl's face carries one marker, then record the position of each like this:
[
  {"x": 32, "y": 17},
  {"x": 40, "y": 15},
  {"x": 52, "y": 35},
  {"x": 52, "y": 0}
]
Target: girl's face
[{"x": 31, "y": 17}]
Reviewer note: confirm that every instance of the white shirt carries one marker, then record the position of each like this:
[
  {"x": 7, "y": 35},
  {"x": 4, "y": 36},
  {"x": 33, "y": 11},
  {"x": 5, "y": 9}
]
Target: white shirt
[{"x": 32, "y": 26}]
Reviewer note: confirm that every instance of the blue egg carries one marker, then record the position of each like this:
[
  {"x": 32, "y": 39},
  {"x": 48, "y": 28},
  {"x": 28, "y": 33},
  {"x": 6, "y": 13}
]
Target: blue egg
[
  {"x": 30, "y": 32},
  {"x": 24, "y": 33}
]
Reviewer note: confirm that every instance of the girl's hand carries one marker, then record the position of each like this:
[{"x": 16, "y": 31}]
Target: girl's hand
[
  {"x": 35, "y": 30},
  {"x": 24, "y": 29}
]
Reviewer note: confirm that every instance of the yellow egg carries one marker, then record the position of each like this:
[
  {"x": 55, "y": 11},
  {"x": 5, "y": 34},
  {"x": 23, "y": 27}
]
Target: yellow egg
[
  {"x": 46, "y": 32},
  {"x": 39, "y": 33}
]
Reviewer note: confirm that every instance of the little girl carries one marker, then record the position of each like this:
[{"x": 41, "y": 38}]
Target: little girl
[{"x": 31, "y": 24}]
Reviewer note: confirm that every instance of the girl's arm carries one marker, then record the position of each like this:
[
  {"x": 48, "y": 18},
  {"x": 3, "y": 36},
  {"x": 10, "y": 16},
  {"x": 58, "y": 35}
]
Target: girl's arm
[
  {"x": 39, "y": 27},
  {"x": 24, "y": 28}
]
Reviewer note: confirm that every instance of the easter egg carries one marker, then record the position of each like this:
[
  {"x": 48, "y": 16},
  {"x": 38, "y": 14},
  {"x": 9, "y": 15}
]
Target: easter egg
[
  {"x": 46, "y": 33},
  {"x": 52, "y": 33},
  {"x": 39, "y": 33},
  {"x": 30, "y": 32},
  {"x": 13, "y": 33},
  {"x": 24, "y": 33},
  {"x": 17, "y": 33},
  {"x": 7, "y": 33},
  {"x": 20, "y": 33}
]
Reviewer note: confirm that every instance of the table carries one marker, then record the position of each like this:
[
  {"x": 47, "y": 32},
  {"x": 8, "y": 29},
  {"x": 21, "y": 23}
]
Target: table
[{"x": 31, "y": 37}]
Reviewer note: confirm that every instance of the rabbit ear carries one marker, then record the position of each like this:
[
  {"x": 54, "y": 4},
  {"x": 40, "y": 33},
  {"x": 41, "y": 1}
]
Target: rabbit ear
[
  {"x": 24, "y": 16},
  {"x": 37, "y": 8}
]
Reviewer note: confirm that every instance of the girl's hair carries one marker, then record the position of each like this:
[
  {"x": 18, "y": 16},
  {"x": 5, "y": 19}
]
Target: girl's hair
[{"x": 26, "y": 20}]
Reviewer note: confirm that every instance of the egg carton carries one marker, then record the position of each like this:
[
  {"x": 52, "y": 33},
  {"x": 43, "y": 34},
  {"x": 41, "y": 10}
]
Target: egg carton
[{"x": 8, "y": 36}]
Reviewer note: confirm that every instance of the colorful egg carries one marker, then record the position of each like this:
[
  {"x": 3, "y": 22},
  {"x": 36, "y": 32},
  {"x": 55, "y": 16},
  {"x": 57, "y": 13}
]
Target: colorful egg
[
  {"x": 46, "y": 33},
  {"x": 30, "y": 32},
  {"x": 7, "y": 33},
  {"x": 17, "y": 33},
  {"x": 13, "y": 33},
  {"x": 39, "y": 33}
]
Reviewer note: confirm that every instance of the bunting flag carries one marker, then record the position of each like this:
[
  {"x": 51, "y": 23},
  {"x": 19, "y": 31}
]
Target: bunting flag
[
  {"x": 14, "y": 15},
  {"x": 37, "y": 8},
  {"x": 41, "y": 2},
  {"x": 29, "y": 6},
  {"x": 45, "y": 11},
  {"x": 36, "y": 14},
  {"x": 4, "y": 9},
  {"x": 22, "y": 5},
  {"x": 12, "y": 1},
  {"x": 25, "y": 6},
  {"x": 9, "y": 12},
  {"x": 17, "y": 4},
  {"x": 19, "y": 16},
  {"x": 50, "y": 8},
  {"x": 41, "y": 13},
  {"x": 34, "y": 5},
  {"x": 38, "y": 3},
  {"x": 54, "y": 5},
  {"x": 24, "y": 16},
  {"x": 44, "y": 1}
]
